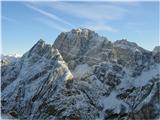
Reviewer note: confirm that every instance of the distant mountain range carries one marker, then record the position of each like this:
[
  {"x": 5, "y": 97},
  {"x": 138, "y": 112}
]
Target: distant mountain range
[
  {"x": 82, "y": 76},
  {"x": 5, "y": 59}
]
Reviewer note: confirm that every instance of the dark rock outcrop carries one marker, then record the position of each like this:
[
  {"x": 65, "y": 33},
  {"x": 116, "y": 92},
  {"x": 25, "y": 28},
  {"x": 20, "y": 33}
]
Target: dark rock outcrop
[{"x": 82, "y": 76}]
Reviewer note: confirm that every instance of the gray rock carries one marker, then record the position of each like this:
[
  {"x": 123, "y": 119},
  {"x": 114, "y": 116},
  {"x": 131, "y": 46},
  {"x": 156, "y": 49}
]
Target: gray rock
[{"x": 82, "y": 76}]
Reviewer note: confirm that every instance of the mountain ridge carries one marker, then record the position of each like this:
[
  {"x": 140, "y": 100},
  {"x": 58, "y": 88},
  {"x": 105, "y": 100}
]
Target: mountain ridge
[{"x": 82, "y": 76}]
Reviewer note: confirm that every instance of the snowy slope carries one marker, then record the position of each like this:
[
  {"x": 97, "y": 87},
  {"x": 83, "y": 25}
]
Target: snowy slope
[{"x": 83, "y": 76}]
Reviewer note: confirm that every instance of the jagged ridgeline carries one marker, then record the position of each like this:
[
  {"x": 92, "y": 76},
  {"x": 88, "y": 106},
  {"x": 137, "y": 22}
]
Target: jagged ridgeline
[{"x": 82, "y": 76}]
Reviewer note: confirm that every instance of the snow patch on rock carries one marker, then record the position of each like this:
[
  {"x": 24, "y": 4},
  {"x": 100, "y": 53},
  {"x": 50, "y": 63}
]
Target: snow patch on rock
[{"x": 81, "y": 71}]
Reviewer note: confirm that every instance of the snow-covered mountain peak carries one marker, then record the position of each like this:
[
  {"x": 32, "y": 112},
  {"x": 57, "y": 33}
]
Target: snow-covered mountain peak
[
  {"x": 39, "y": 45},
  {"x": 124, "y": 44},
  {"x": 39, "y": 75},
  {"x": 82, "y": 31},
  {"x": 42, "y": 50},
  {"x": 82, "y": 76},
  {"x": 80, "y": 34}
]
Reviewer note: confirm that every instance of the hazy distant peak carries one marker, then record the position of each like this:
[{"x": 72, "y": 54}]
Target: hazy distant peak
[
  {"x": 156, "y": 49},
  {"x": 125, "y": 42},
  {"x": 81, "y": 30},
  {"x": 6, "y": 59}
]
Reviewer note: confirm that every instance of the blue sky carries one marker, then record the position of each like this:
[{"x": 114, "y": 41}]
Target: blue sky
[{"x": 24, "y": 23}]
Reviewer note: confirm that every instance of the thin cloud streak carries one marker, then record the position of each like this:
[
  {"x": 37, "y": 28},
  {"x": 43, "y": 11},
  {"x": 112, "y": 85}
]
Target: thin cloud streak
[
  {"x": 9, "y": 19},
  {"x": 49, "y": 15},
  {"x": 126, "y": 3},
  {"x": 51, "y": 24},
  {"x": 95, "y": 14},
  {"x": 100, "y": 27},
  {"x": 95, "y": 11}
]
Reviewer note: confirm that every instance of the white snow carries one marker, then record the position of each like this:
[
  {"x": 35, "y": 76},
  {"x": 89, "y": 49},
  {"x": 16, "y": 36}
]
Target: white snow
[
  {"x": 10, "y": 58},
  {"x": 68, "y": 73},
  {"x": 111, "y": 102},
  {"x": 156, "y": 49},
  {"x": 148, "y": 98},
  {"x": 6, "y": 117},
  {"x": 127, "y": 46},
  {"x": 81, "y": 70},
  {"x": 141, "y": 80},
  {"x": 144, "y": 78}
]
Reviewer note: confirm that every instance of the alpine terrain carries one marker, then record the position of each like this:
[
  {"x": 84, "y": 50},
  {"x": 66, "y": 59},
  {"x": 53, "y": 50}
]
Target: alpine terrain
[{"x": 82, "y": 76}]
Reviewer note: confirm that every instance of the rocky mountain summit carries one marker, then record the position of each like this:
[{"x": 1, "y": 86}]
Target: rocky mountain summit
[{"x": 83, "y": 76}]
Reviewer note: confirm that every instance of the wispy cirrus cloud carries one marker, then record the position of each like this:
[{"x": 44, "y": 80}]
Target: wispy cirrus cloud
[
  {"x": 127, "y": 3},
  {"x": 95, "y": 11},
  {"x": 49, "y": 15},
  {"x": 99, "y": 27},
  {"x": 52, "y": 24},
  {"x": 94, "y": 15},
  {"x": 9, "y": 19}
]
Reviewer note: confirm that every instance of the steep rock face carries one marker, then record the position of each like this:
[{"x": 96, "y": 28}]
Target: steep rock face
[
  {"x": 108, "y": 80},
  {"x": 130, "y": 54},
  {"x": 156, "y": 54},
  {"x": 81, "y": 46},
  {"x": 119, "y": 67},
  {"x": 38, "y": 76},
  {"x": 9, "y": 64}
]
